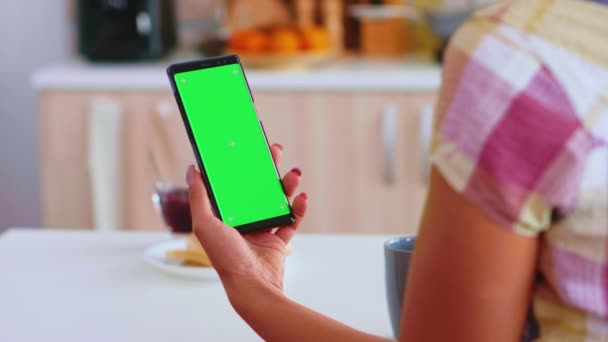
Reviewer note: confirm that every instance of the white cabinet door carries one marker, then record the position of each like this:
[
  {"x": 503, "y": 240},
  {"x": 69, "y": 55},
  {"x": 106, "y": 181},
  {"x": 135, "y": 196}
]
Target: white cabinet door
[{"x": 360, "y": 154}]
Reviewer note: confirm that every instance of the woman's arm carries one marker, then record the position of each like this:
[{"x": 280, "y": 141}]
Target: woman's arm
[
  {"x": 470, "y": 279},
  {"x": 277, "y": 318}
]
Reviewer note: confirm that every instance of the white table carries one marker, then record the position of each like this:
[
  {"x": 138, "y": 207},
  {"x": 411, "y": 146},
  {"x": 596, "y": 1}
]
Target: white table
[{"x": 85, "y": 286}]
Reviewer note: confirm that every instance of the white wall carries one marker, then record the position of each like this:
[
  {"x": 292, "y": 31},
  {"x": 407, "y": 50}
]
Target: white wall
[{"x": 32, "y": 34}]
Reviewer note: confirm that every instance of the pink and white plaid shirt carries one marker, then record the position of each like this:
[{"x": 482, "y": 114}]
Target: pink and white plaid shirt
[{"x": 521, "y": 130}]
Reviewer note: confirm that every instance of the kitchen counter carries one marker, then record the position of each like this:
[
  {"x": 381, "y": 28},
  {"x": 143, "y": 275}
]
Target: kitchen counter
[
  {"x": 346, "y": 75},
  {"x": 87, "y": 286}
]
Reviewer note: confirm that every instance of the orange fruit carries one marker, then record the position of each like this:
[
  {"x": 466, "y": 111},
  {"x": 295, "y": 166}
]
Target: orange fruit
[
  {"x": 285, "y": 41},
  {"x": 248, "y": 41},
  {"x": 238, "y": 39},
  {"x": 316, "y": 38}
]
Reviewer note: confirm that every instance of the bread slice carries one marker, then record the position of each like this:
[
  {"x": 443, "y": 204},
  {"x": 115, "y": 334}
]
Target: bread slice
[{"x": 193, "y": 255}]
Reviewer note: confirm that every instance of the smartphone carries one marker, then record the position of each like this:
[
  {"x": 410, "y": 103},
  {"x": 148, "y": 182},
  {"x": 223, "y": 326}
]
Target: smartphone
[{"x": 230, "y": 144}]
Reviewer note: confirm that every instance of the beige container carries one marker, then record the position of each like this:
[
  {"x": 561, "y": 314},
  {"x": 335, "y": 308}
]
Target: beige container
[
  {"x": 384, "y": 30},
  {"x": 387, "y": 37}
]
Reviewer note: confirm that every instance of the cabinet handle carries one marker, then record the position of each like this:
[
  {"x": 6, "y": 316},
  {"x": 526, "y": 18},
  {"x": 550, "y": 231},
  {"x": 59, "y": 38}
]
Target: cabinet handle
[
  {"x": 389, "y": 141},
  {"x": 104, "y": 155},
  {"x": 160, "y": 143},
  {"x": 425, "y": 120}
]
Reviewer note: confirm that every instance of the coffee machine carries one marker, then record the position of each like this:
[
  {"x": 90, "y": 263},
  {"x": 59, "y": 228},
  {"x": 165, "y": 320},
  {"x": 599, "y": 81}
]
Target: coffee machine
[{"x": 125, "y": 30}]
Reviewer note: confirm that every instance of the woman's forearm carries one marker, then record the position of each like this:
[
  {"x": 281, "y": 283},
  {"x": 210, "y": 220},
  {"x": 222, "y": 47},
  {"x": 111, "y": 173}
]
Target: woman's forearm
[{"x": 277, "y": 318}]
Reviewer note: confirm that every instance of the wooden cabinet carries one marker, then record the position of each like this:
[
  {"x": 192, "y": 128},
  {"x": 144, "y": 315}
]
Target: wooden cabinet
[{"x": 361, "y": 154}]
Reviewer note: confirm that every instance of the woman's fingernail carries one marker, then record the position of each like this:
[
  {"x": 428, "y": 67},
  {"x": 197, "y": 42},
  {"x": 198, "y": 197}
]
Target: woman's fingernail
[
  {"x": 279, "y": 146},
  {"x": 297, "y": 171},
  {"x": 304, "y": 196},
  {"x": 190, "y": 175}
]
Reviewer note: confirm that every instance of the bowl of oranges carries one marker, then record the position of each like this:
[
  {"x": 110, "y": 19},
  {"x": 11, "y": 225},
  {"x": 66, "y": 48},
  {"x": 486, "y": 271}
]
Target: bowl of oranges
[{"x": 282, "y": 46}]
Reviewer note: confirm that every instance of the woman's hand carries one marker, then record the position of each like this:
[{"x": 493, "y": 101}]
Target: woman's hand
[
  {"x": 251, "y": 270},
  {"x": 244, "y": 260}
]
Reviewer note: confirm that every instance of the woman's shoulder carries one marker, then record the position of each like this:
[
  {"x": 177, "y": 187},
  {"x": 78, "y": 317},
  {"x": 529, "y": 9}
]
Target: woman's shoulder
[
  {"x": 512, "y": 113},
  {"x": 554, "y": 51}
]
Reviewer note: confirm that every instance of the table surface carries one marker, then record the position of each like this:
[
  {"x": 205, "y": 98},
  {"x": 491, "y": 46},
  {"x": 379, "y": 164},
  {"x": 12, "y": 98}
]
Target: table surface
[{"x": 87, "y": 286}]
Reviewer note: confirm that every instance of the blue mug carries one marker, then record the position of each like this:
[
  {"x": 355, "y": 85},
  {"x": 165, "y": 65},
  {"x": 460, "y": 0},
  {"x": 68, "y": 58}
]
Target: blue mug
[{"x": 397, "y": 255}]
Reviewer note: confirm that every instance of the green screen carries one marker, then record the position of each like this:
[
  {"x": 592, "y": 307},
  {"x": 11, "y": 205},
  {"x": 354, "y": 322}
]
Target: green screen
[{"x": 232, "y": 146}]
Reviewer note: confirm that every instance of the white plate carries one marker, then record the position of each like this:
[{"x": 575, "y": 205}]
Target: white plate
[{"x": 156, "y": 256}]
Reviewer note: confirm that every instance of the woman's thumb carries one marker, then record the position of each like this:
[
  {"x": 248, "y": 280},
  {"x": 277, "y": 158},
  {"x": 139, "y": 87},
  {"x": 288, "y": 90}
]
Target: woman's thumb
[
  {"x": 199, "y": 201},
  {"x": 205, "y": 225}
]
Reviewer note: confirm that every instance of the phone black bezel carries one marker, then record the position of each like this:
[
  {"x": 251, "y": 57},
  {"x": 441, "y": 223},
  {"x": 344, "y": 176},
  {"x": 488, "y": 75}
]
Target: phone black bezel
[{"x": 211, "y": 63}]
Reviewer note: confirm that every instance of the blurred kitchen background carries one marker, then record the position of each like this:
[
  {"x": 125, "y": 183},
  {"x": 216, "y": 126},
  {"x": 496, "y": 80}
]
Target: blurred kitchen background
[{"x": 90, "y": 132}]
